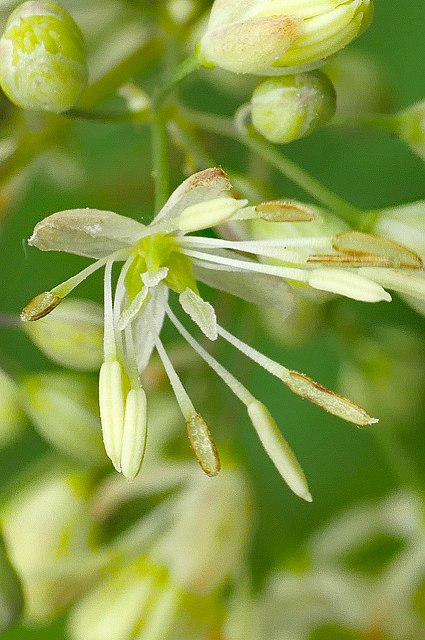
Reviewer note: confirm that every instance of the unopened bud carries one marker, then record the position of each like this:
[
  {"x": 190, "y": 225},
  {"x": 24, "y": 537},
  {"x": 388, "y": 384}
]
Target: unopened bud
[
  {"x": 11, "y": 415},
  {"x": 288, "y": 108},
  {"x": 64, "y": 409},
  {"x": 266, "y": 37},
  {"x": 10, "y": 592},
  {"x": 44, "y": 524},
  {"x": 42, "y": 58},
  {"x": 71, "y": 335}
]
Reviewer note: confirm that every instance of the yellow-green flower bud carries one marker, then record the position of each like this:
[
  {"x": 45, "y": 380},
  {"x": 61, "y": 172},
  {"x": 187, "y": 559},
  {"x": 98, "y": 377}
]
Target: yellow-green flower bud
[
  {"x": 64, "y": 408},
  {"x": 291, "y": 107},
  {"x": 411, "y": 128},
  {"x": 11, "y": 415},
  {"x": 42, "y": 58},
  {"x": 46, "y": 523},
  {"x": 269, "y": 37},
  {"x": 71, "y": 335},
  {"x": 10, "y": 592}
]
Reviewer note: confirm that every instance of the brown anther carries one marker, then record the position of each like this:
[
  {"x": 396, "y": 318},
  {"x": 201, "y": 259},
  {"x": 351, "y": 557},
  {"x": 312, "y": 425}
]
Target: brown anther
[
  {"x": 40, "y": 306},
  {"x": 284, "y": 211},
  {"x": 203, "y": 445}
]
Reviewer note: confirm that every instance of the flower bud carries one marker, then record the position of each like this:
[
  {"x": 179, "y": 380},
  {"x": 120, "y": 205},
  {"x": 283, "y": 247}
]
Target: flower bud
[
  {"x": 71, "y": 335},
  {"x": 42, "y": 58},
  {"x": 45, "y": 523},
  {"x": 11, "y": 414},
  {"x": 269, "y": 37},
  {"x": 64, "y": 408},
  {"x": 288, "y": 108},
  {"x": 411, "y": 128},
  {"x": 10, "y": 592},
  {"x": 360, "y": 82}
]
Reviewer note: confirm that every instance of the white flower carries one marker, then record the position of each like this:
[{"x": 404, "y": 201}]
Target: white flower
[{"x": 160, "y": 260}]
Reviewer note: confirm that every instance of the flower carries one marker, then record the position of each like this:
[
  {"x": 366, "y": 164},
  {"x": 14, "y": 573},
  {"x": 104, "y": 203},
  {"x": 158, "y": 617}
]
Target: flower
[
  {"x": 162, "y": 259},
  {"x": 271, "y": 37}
]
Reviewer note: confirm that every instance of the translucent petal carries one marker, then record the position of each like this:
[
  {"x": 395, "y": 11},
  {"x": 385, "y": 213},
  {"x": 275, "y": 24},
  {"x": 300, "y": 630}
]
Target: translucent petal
[
  {"x": 257, "y": 288},
  {"x": 149, "y": 324},
  {"x": 86, "y": 232},
  {"x": 204, "y": 185},
  {"x": 355, "y": 243}
]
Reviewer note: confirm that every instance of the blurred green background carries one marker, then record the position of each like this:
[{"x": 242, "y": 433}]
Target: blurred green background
[{"x": 344, "y": 465}]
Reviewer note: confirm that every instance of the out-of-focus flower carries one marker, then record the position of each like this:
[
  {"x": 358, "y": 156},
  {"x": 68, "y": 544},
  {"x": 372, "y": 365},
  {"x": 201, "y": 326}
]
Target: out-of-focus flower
[
  {"x": 72, "y": 335},
  {"x": 350, "y": 586},
  {"x": 42, "y": 58},
  {"x": 64, "y": 408},
  {"x": 12, "y": 417},
  {"x": 266, "y": 37},
  {"x": 161, "y": 259},
  {"x": 45, "y": 523},
  {"x": 171, "y": 589},
  {"x": 292, "y": 107}
]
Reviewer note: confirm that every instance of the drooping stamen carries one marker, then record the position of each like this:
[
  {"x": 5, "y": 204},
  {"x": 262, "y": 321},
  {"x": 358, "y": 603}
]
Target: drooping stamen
[
  {"x": 269, "y": 434},
  {"x": 109, "y": 342},
  {"x": 302, "y": 385},
  {"x": 197, "y": 431}
]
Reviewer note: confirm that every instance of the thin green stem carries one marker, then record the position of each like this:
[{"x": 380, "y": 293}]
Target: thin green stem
[
  {"x": 184, "y": 138},
  {"x": 267, "y": 151},
  {"x": 379, "y": 121},
  {"x": 136, "y": 117},
  {"x": 160, "y": 162},
  {"x": 184, "y": 70}
]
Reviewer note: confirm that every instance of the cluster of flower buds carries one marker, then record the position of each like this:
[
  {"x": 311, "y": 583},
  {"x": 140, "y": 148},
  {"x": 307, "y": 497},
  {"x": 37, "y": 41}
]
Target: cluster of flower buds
[{"x": 42, "y": 58}]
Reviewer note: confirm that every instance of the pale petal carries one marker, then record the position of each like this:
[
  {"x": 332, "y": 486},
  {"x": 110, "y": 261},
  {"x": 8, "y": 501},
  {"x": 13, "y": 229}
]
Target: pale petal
[
  {"x": 86, "y": 232},
  {"x": 201, "y": 312},
  {"x": 204, "y": 185},
  {"x": 148, "y": 325}
]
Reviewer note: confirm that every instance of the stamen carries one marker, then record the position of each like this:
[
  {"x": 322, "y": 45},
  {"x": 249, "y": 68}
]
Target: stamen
[
  {"x": 40, "y": 306},
  {"x": 197, "y": 431},
  {"x": 237, "y": 387},
  {"x": 283, "y": 272},
  {"x": 133, "y": 309},
  {"x": 109, "y": 344},
  {"x": 304, "y": 386},
  {"x": 255, "y": 246},
  {"x": 111, "y": 402},
  {"x": 134, "y": 433}
]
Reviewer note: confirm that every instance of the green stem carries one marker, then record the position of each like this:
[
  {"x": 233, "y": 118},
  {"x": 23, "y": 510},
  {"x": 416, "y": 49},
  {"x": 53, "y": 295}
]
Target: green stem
[
  {"x": 225, "y": 127},
  {"x": 160, "y": 162},
  {"x": 380, "y": 121},
  {"x": 136, "y": 117},
  {"x": 185, "y": 139},
  {"x": 187, "y": 67}
]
